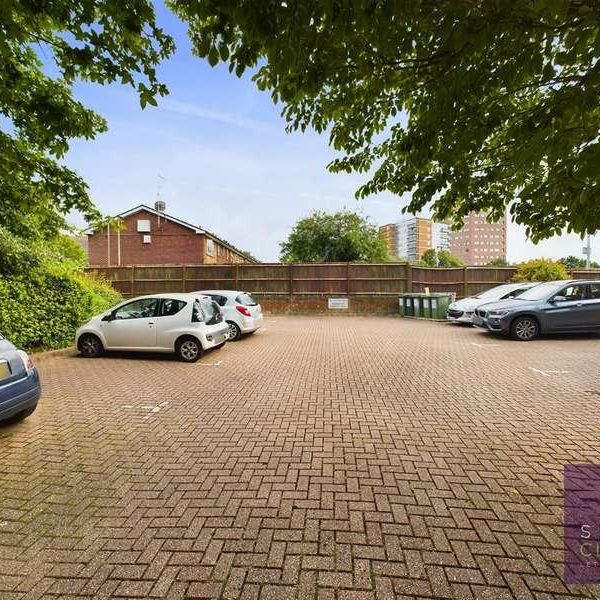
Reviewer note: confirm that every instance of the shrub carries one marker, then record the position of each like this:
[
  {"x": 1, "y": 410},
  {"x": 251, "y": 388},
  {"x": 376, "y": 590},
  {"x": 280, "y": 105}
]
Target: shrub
[
  {"x": 540, "y": 269},
  {"x": 44, "y": 295}
]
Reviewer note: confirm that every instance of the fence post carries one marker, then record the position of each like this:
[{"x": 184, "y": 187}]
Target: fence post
[
  {"x": 465, "y": 283},
  {"x": 409, "y": 278},
  {"x": 133, "y": 280},
  {"x": 236, "y": 275},
  {"x": 347, "y": 278},
  {"x": 184, "y": 279},
  {"x": 291, "y": 279}
]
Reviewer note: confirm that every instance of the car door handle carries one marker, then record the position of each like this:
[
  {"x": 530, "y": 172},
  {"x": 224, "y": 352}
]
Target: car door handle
[{"x": 150, "y": 324}]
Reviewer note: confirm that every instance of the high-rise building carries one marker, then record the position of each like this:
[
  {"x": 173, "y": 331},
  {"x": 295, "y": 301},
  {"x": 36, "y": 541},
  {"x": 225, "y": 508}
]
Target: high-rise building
[
  {"x": 479, "y": 242},
  {"x": 411, "y": 237},
  {"x": 389, "y": 234}
]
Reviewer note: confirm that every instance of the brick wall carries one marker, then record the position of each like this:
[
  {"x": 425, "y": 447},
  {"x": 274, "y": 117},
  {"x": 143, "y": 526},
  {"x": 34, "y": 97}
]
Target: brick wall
[
  {"x": 171, "y": 244},
  {"x": 317, "y": 304}
]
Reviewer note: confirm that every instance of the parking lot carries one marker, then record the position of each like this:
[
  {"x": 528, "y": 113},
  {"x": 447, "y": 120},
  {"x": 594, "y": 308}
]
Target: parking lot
[{"x": 354, "y": 458}]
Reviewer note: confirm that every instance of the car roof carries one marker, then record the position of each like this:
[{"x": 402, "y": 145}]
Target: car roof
[
  {"x": 172, "y": 296},
  {"x": 229, "y": 293},
  {"x": 569, "y": 281}
]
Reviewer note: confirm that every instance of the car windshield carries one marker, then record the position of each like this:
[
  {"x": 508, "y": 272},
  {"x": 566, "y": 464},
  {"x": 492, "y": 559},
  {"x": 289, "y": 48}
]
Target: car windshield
[
  {"x": 541, "y": 291},
  {"x": 246, "y": 300},
  {"x": 496, "y": 292}
]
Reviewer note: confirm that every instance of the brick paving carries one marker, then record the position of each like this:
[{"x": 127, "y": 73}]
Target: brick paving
[{"x": 347, "y": 458}]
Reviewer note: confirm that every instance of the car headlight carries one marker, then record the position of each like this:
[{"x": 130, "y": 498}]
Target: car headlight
[{"x": 498, "y": 314}]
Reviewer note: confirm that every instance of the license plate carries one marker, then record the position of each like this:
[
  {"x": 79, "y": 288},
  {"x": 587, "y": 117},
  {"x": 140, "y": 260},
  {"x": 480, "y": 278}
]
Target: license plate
[{"x": 4, "y": 370}]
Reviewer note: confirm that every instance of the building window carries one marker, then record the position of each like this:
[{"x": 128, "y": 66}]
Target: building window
[
  {"x": 143, "y": 226},
  {"x": 210, "y": 247}
]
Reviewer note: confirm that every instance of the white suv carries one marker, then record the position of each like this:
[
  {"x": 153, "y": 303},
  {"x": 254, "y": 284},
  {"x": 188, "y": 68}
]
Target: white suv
[
  {"x": 187, "y": 324},
  {"x": 241, "y": 311}
]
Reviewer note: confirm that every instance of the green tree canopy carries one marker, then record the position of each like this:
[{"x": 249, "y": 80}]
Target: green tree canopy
[
  {"x": 101, "y": 41},
  {"x": 498, "y": 262},
  {"x": 574, "y": 262},
  {"x": 469, "y": 105},
  {"x": 334, "y": 237},
  {"x": 440, "y": 258}
]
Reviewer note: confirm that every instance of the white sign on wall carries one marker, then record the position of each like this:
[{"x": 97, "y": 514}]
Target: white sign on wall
[{"x": 337, "y": 303}]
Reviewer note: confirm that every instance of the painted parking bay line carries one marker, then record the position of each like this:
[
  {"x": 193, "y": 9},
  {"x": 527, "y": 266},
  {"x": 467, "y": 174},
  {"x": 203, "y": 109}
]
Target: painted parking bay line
[
  {"x": 548, "y": 372},
  {"x": 203, "y": 364},
  {"x": 484, "y": 345}
]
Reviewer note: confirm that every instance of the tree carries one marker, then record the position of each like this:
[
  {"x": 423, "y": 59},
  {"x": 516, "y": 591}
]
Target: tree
[
  {"x": 101, "y": 41},
  {"x": 469, "y": 105},
  {"x": 498, "y": 262},
  {"x": 334, "y": 237},
  {"x": 440, "y": 258},
  {"x": 540, "y": 269},
  {"x": 573, "y": 262}
]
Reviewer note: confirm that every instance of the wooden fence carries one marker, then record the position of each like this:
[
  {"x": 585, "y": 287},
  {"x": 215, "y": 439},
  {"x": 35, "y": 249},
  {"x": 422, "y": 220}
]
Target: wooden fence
[{"x": 301, "y": 280}]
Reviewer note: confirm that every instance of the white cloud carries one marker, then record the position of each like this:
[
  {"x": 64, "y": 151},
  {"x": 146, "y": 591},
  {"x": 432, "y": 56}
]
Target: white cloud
[{"x": 187, "y": 109}]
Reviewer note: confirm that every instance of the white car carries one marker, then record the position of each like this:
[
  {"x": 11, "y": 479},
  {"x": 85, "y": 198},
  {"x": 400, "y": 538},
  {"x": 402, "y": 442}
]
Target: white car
[
  {"x": 463, "y": 310},
  {"x": 187, "y": 324},
  {"x": 241, "y": 311}
]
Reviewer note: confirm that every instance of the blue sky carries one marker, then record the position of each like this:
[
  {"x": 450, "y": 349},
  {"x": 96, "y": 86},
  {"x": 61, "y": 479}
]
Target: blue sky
[{"x": 227, "y": 163}]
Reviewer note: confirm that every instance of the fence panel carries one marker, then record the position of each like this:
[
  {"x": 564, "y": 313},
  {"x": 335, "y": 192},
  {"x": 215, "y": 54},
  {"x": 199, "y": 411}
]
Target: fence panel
[
  {"x": 438, "y": 279},
  {"x": 329, "y": 278},
  {"x": 265, "y": 278},
  {"x": 386, "y": 279},
  {"x": 302, "y": 280}
]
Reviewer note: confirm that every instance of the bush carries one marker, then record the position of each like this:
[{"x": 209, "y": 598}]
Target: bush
[
  {"x": 43, "y": 298},
  {"x": 540, "y": 269}
]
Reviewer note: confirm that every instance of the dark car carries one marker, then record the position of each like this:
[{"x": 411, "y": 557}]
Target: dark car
[
  {"x": 550, "y": 307},
  {"x": 20, "y": 387}
]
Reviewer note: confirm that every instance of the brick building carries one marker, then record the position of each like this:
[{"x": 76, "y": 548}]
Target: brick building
[
  {"x": 479, "y": 242},
  {"x": 151, "y": 237}
]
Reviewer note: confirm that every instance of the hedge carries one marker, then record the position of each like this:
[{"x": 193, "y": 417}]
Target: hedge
[{"x": 44, "y": 295}]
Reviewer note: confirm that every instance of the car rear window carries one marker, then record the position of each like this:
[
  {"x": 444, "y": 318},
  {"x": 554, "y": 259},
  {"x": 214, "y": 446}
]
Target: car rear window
[
  {"x": 246, "y": 300},
  {"x": 220, "y": 300},
  {"x": 206, "y": 310}
]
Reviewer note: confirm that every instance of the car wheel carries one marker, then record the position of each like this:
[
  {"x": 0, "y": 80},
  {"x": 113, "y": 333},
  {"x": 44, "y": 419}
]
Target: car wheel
[
  {"x": 19, "y": 416},
  {"x": 525, "y": 329},
  {"x": 189, "y": 349},
  {"x": 234, "y": 333},
  {"x": 90, "y": 345},
  {"x": 25, "y": 413}
]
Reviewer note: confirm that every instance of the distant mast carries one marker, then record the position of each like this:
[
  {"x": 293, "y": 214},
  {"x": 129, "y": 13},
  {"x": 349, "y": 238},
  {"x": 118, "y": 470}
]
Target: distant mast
[{"x": 159, "y": 205}]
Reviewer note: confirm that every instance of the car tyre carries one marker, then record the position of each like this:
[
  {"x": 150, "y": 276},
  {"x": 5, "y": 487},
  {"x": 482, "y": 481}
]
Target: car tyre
[
  {"x": 524, "y": 329},
  {"x": 189, "y": 349},
  {"x": 20, "y": 416},
  {"x": 90, "y": 345},
  {"x": 25, "y": 413},
  {"x": 234, "y": 332}
]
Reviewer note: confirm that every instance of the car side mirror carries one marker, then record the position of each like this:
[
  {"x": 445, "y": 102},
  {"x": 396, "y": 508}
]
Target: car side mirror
[
  {"x": 558, "y": 299},
  {"x": 510, "y": 296},
  {"x": 108, "y": 317}
]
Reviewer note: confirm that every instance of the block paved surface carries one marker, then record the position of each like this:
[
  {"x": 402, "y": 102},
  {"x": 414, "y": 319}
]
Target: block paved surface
[{"x": 348, "y": 458}]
